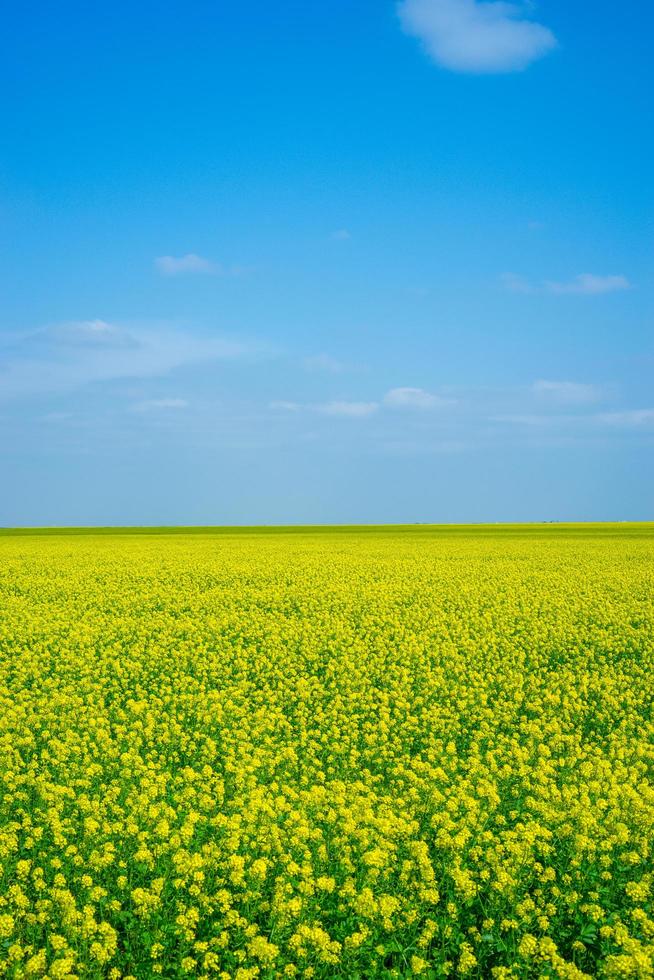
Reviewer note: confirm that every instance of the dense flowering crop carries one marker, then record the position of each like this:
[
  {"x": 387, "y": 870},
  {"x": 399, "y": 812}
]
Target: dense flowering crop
[{"x": 346, "y": 753}]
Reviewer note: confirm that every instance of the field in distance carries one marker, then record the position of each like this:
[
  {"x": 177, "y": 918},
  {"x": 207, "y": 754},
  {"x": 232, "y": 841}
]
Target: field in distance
[{"x": 327, "y": 752}]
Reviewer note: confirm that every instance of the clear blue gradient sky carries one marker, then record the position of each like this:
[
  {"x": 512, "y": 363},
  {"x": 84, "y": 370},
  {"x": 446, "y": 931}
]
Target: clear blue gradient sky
[{"x": 326, "y": 262}]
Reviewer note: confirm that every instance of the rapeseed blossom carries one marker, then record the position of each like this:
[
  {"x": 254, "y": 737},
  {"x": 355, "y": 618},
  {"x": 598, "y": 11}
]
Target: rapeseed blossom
[{"x": 328, "y": 753}]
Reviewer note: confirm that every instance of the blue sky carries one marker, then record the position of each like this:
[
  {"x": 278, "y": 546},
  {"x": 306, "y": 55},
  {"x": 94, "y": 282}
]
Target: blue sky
[{"x": 326, "y": 262}]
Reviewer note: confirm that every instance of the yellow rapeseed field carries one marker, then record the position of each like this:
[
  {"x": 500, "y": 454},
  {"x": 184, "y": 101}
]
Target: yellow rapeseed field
[{"x": 372, "y": 752}]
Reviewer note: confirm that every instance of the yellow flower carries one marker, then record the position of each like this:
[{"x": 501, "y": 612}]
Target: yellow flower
[
  {"x": 528, "y": 945},
  {"x": 301, "y": 752},
  {"x": 467, "y": 959}
]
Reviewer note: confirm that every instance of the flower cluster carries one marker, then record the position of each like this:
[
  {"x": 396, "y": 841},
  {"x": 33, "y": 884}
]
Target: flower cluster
[{"x": 328, "y": 753}]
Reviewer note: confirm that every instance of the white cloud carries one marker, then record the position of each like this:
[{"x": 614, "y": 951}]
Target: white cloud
[
  {"x": 515, "y": 283},
  {"x": 341, "y": 235},
  {"x": 637, "y": 418},
  {"x": 169, "y": 265},
  {"x": 323, "y": 362},
  {"x": 285, "y": 406},
  {"x": 468, "y": 36},
  {"x": 415, "y": 398},
  {"x": 632, "y": 419},
  {"x": 346, "y": 409},
  {"x": 529, "y": 420},
  {"x": 66, "y": 356},
  {"x": 566, "y": 392},
  {"x": 160, "y": 404},
  {"x": 355, "y": 410},
  {"x": 585, "y": 284},
  {"x": 397, "y": 398},
  {"x": 81, "y": 334},
  {"x": 588, "y": 284}
]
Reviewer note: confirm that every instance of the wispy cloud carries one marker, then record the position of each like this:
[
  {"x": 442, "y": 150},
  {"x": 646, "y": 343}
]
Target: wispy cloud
[
  {"x": 340, "y": 235},
  {"x": 411, "y": 399},
  {"x": 528, "y": 419},
  {"x": 57, "y": 417},
  {"x": 159, "y": 404},
  {"x": 585, "y": 284},
  {"x": 323, "y": 362},
  {"x": 544, "y": 412},
  {"x": 635, "y": 418},
  {"x": 638, "y": 418},
  {"x": 280, "y": 405},
  {"x": 192, "y": 264},
  {"x": 566, "y": 392},
  {"x": 515, "y": 283},
  {"x": 588, "y": 284},
  {"x": 344, "y": 409},
  {"x": 468, "y": 36},
  {"x": 63, "y": 357},
  {"x": 353, "y": 410},
  {"x": 416, "y": 399},
  {"x": 80, "y": 334}
]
